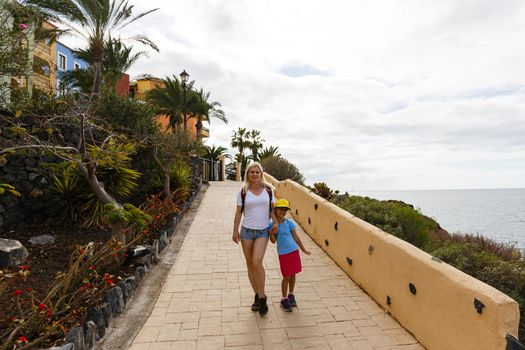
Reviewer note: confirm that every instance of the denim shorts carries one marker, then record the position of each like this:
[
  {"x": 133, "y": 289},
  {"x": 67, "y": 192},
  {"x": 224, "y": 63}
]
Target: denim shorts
[{"x": 253, "y": 234}]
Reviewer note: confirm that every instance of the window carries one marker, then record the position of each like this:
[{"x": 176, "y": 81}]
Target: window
[
  {"x": 61, "y": 88},
  {"x": 62, "y": 62},
  {"x": 76, "y": 65}
]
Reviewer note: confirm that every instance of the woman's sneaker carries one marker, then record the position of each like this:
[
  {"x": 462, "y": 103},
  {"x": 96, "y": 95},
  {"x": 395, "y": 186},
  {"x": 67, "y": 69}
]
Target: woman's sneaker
[
  {"x": 263, "y": 306},
  {"x": 291, "y": 299},
  {"x": 285, "y": 305},
  {"x": 255, "y": 305}
]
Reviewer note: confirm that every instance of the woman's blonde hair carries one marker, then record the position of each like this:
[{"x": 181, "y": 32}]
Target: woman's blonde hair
[{"x": 247, "y": 181}]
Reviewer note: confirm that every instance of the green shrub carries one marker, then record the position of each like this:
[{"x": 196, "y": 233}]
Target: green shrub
[
  {"x": 282, "y": 169},
  {"x": 40, "y": 103},
  {"x": 134, "y": 116},
  {"x": 180, "y": 176},
  {"x": 394, "y": 217},
  {"x": 322, "y": 190}
]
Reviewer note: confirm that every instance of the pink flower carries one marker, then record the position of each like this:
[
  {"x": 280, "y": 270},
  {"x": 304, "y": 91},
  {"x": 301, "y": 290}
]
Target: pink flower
[{"x": 23, "y": 26}]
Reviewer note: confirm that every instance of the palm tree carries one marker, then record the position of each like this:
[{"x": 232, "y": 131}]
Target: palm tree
[
  {"x": 241, "y": 142},
  {"x": 95, "y": 21},
  {"x": 203, "y": 110},
  {"x": 118, "y": 59},
  {"x": 170, "y": 99},
  {"x": 267, "y": 152},
  {"x": 255, "y": 143},
  {"x": 215, "y": 152}
]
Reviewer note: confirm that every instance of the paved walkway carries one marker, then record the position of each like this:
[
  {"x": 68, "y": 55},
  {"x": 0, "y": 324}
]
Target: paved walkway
[{"x": 205, "y": 302}]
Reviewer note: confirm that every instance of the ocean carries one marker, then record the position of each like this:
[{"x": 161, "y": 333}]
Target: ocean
[{"x": 495, "y": 213}]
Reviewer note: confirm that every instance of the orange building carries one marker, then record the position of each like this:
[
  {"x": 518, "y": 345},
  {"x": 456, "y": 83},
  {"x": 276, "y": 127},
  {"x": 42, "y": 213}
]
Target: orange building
[{"x": 138, "y": 89}]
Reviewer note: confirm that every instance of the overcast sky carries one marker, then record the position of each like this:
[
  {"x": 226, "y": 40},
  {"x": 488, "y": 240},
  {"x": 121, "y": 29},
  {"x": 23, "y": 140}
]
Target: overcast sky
[{"x": 362, "y": 95}]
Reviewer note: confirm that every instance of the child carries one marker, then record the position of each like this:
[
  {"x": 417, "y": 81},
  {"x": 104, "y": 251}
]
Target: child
[{"x": 288, "y": 244}]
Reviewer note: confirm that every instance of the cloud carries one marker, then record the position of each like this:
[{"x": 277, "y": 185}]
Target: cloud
[
  {"x": 361, "y": 95},
  {"x": 300, "y": 70}
]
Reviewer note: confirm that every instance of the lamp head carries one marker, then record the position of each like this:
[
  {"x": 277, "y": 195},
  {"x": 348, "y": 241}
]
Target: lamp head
[{"x": 184, "y": 76}]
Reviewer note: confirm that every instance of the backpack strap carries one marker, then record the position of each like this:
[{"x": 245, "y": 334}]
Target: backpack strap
[
  {"x": 270, "y": 194},
  {"x": 243, "y": 197}
]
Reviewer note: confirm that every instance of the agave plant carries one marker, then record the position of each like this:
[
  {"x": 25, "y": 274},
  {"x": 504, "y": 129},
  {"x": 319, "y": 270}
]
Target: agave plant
[{"x": 71, "y": 191}]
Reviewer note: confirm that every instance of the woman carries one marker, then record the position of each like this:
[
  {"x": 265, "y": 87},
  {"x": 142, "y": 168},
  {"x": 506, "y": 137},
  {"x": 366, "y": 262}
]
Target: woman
[{"x": 255, "y": 200}]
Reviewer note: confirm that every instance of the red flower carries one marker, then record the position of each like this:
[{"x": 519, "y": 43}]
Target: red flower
[
  {"x": 109, "y": 281},
  {"x": 23, "y": 26},
  {"x": 29, "y": 289},
  {"x": 41, "y": 306},
  {"x": 12, "y": 319},
  {"x": 93, "y": 268},
  {"x": 49, "y": 313},
  {"x": 18, "y": 292},
  {"x": 115, "y": 254},
  {"x": 22, "y": 339},
  {"x": 24, "y": 267}
]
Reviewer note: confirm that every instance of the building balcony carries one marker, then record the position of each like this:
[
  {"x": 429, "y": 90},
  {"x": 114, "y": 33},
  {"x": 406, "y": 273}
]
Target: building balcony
[
  {"x": 43, "y": 82},
  {"x": 43, "y": 51},
  {"x": 205, "y": 132}
]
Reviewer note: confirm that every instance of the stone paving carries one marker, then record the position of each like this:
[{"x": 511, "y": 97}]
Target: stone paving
[{"x": 205, "y": 302}]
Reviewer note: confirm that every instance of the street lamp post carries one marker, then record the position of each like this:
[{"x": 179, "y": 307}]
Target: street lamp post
[{"x": 184, "y": 78}]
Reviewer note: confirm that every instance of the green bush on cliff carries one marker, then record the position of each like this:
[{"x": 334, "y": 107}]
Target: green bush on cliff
[
  {"x": 394, "y": 217},
  {"x": 506, "y": 276}
]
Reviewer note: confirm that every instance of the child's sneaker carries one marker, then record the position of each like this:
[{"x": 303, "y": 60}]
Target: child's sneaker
[
  {"x": 255, "y": 305},
  {"x": 285, "y": 305},
  {"x": 263, "y": 306},
  {"x": 291, "y": 299}
]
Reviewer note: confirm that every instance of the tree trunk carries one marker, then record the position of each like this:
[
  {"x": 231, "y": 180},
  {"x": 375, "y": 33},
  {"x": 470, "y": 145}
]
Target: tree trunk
[
  {"x": 198, "y": 126},
  {"x": 89, "y": 172},
  {"x": 97, "y": 50},
  {"x": 166, "y": 190}
]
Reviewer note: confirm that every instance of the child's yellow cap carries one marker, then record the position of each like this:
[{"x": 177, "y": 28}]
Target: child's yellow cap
[{"x": 282, "y": 203}]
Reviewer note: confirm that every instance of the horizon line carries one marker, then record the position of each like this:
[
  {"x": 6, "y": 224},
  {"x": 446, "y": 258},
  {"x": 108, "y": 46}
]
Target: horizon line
[{"x": 442, "y": 189}]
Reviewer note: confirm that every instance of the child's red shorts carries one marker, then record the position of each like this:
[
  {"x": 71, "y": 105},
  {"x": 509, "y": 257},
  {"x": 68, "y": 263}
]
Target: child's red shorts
[{"x": 290, "y": 263}]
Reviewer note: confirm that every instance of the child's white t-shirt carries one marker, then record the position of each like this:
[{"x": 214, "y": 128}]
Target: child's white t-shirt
[{"x": 256, "y": 209}]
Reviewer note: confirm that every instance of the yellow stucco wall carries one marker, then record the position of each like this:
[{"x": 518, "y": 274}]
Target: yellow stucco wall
[{"x": 441, "y": 315}]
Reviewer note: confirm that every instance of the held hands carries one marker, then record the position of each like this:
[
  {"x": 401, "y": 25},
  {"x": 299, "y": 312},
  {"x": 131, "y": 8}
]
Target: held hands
[
  {"x": 236, "y": 237},
  {"x": 274, "y": 229}
]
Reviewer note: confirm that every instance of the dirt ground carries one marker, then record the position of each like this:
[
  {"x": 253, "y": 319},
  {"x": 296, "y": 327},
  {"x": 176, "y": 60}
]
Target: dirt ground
[{"x": 43, "y": 261}]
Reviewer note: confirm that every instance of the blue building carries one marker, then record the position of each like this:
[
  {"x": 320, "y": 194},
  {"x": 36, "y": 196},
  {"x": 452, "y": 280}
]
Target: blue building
[{"x": 66, "y": 61}]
